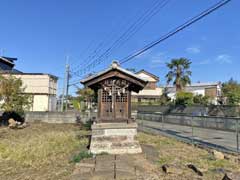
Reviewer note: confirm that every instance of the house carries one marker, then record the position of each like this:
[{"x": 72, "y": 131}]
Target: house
[
  {"x": 7, "y": 64},
  {"x": 42, "y": 87},
  {"x": 151, "y": 92},
  {"x": 212, "y": 90}
]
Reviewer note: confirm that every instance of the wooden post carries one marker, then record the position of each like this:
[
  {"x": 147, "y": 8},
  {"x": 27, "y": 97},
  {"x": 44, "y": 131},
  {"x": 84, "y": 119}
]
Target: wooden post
[
  {"x": 113, "y": 99},
  {"x": 99, "y": 103},
  {"x": 129, "y": 104},
  {"x": 237, "y": 135}
]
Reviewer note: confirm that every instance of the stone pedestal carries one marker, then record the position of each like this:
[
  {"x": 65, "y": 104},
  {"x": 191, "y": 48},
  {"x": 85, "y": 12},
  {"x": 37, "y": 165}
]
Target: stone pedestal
[{"x": 114, "y": 138}]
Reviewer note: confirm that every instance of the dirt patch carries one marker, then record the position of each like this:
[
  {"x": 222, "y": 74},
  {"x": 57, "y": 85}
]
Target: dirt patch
[
  {"x": 150, "y": 152},
  {"x": 178, "y": 154}
]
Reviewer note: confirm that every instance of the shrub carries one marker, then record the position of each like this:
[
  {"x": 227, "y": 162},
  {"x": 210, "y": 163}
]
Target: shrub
[
  {"x": 184, "y": 98},
  {"x": 231, "y": 90},
  {"x": 200, "y": 99},
  {"x": 14, "y": 100},
  {"x": 81, "y": 155},
  {"x": 12, "y": 95},
  {"x": 11, "y": 114},
  {"x": 87, "y": 125},
  {"x": 164, "y": 99}
]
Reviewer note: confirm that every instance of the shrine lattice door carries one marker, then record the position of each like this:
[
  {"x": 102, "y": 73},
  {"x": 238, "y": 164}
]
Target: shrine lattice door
[{"x": 114, "y": 100}]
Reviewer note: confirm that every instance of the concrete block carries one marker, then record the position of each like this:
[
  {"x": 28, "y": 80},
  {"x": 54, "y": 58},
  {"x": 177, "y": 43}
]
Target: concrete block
[{"x": 114, "y": 138}]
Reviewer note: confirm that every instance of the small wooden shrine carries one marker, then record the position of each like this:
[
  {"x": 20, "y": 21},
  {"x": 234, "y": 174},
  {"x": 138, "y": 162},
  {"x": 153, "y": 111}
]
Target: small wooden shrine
[
  {"x": 114, "y": 87},
  {"x": 114, "y": 131}
]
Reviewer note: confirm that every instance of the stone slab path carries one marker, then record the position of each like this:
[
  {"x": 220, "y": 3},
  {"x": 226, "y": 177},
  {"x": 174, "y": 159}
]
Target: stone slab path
[{"x": 110, "y": 167}]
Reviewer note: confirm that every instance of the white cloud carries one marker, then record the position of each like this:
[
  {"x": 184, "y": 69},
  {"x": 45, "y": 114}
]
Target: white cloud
[
  {"x": 204, "y": 62},
  {"x": 224, "y": 59},
  {"x": 158, "y": 59},
  {"x": 193, "y": 50}
]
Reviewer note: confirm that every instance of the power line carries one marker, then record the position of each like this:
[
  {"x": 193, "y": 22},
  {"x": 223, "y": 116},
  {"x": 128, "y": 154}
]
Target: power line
[
  {"x": 176, "y": 30},
  {"x": 131, "y": 30},
  {"x": 87, "y": 48},
  {"x": 101, "y": 43},
  {"x": 93, "y": 54}
]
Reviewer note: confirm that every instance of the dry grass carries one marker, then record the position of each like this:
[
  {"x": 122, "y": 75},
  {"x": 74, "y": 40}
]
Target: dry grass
[
  {"x": 44, "y": 151},
  {"x": 41, "y": 151},
  {"x": 172, "y": 151}
]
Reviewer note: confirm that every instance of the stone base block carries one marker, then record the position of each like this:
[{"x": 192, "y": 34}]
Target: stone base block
[{"x": 114, "y": 138}]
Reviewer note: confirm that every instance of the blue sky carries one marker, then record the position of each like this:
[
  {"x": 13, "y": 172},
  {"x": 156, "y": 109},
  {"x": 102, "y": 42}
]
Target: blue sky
[{"x": 41, "y": 33}]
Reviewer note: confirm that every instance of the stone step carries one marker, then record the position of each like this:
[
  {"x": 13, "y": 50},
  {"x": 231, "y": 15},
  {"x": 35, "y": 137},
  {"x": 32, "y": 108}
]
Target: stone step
[
  {"x": 111, "y": 138},
  {"x": 117, "y": 150},
  {"x": 114, "y": 138},
  {"x": 115, "y": 144}
]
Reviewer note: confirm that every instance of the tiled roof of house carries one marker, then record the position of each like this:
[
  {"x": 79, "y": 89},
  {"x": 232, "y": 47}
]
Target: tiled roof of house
[
  {"x": 8, "y": 59},
  {"x": 16, "y": 72},
  {"x": 199, "y": 84},
  {"x": 194, "y": 86},
  {"x": 148, "y": 73}
]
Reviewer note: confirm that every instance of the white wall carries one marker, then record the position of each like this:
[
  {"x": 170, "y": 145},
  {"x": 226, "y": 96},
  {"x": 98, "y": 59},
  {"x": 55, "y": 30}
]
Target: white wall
[
  {"x": 149, "y": 92},
  {"x": 40, "y": 103},
  {"x": 200, "y": 91},
  {"x": 35, "y": 83}
]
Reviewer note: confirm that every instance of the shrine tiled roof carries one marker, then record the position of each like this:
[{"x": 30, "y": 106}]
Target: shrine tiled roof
[{"x": 113, "y": 66}]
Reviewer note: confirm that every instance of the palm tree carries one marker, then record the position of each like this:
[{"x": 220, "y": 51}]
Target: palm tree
[{"x": 179, "y": 73}]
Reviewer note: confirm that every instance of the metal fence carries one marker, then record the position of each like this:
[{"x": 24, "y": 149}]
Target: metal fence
[
  {"x": 211, "y": 110},
  {"x": 216, "y": 132}
]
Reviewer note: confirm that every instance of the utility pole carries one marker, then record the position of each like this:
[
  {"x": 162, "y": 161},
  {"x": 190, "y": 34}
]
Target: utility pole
[
  {"x": 65, "y": 85},
  {"x": 2, "y": 51}
]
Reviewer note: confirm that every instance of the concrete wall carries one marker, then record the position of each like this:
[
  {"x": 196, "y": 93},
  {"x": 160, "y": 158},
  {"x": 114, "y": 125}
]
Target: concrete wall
[
  {"x": 58, "y": 117},
  {"x": 221, "y": 123}
]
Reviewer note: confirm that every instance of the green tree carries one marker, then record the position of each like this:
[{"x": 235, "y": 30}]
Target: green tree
[
  {"x": 200, "y": 99},
  {"x": 231, "y": 90},
  {"x": 164, "y": 99},
  {"x": 184, "y": 98},
  {"x": 179, "y": 73},
  {"x": 87, "y": 95},
  {"x": 12, "y": 95}
]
